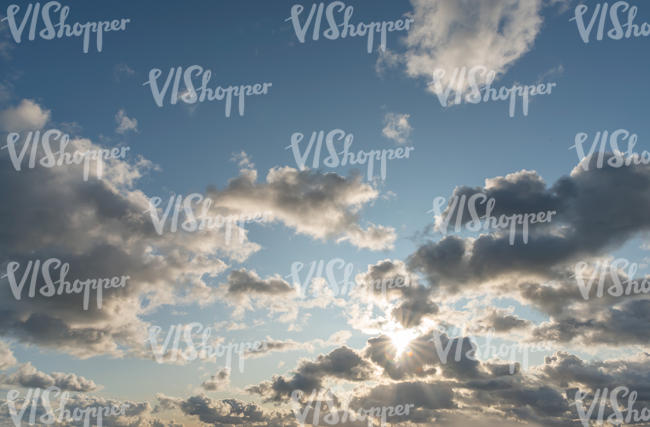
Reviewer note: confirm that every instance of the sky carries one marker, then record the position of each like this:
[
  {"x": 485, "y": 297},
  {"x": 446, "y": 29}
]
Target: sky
[{"x": 271, "y": 282}]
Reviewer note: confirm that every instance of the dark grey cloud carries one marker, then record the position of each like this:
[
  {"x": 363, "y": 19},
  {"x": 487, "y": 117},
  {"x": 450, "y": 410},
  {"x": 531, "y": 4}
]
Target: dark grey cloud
[
  {"x": 342, "y": 363},
  {"x": 593, "y": 215}
]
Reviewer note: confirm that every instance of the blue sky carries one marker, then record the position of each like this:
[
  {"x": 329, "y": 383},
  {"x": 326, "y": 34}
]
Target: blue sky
[{"x": 318, "y": 85}]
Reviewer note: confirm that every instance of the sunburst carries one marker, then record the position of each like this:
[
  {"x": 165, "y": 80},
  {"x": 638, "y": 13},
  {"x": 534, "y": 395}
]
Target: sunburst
[{"x": 401, "y": 339}]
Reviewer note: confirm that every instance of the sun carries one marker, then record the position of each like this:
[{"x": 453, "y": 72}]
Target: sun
[{"x": 401, "y": 340}]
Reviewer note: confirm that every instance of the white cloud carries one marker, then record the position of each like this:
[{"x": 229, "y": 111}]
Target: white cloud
[
  {"x": 28, "y": 115},
  {"x": 243, "y": 160},
  {"x": 450, "y": 35},
  {"x": 397, "y": 127},
  {"x": 7, "y": 358},
  {"x": 125, "y": 123}
]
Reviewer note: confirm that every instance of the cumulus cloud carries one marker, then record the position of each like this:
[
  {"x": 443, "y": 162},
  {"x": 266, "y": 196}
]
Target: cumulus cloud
[
  {"x": 397, "y": 127},
  {"x": 7, "y": 358},
  {"x": 451, "y": 35},
  {"x": 125, "y": 123},
  {"x": 245, "y": 290},
  {"x": 342, "y": 363},
  {"x": 135, "y": 413},
  {"x": 226, "y": 412},
  {"x": 593, "y": 215},
  {"x": 323, "y": 206},
  {"x": 29, "y": 377},
  {"x": 26, "y": 116},
  {"x": 389, "y": 285},
  {"x": 101, "y": 229},
  {"x": 218, "y": 381}
]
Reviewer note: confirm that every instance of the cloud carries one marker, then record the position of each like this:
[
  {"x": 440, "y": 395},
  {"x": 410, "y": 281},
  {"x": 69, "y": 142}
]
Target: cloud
[
  {"x": 218, "y": 381},
  {"x": 322, "y": 206},
  {"x": 270, "y": 345},
  {"x": 242, "y": 282},
  {"x": 135, "y": 413},
  {"x": 29, "y": 377},
  {"x": 397, "y": 127},
  {"x": 342, "y": 363},
  {"x": 420, "y": 394},
  {"x": 125, "y": 123},
  {"x": 28, "y": 115},
  {"x": 593, "y": 215},
  {"x": 225, "y": 412},
  {"x": 7, "y": 358},
  {"x": 243, "y": 160},
  {"x": 501, "y": 320},
  {"x": 567, "y": 370},
  {"x": 452, "y": 35},
  {"x": 390, "y": 286},
  {"x": 245, "y": 290},
  {"x": 100, "y": 228}
]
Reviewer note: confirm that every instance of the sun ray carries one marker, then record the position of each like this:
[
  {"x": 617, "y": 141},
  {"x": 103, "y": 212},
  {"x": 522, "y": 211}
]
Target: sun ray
[{"x": 401, "y": 339}]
